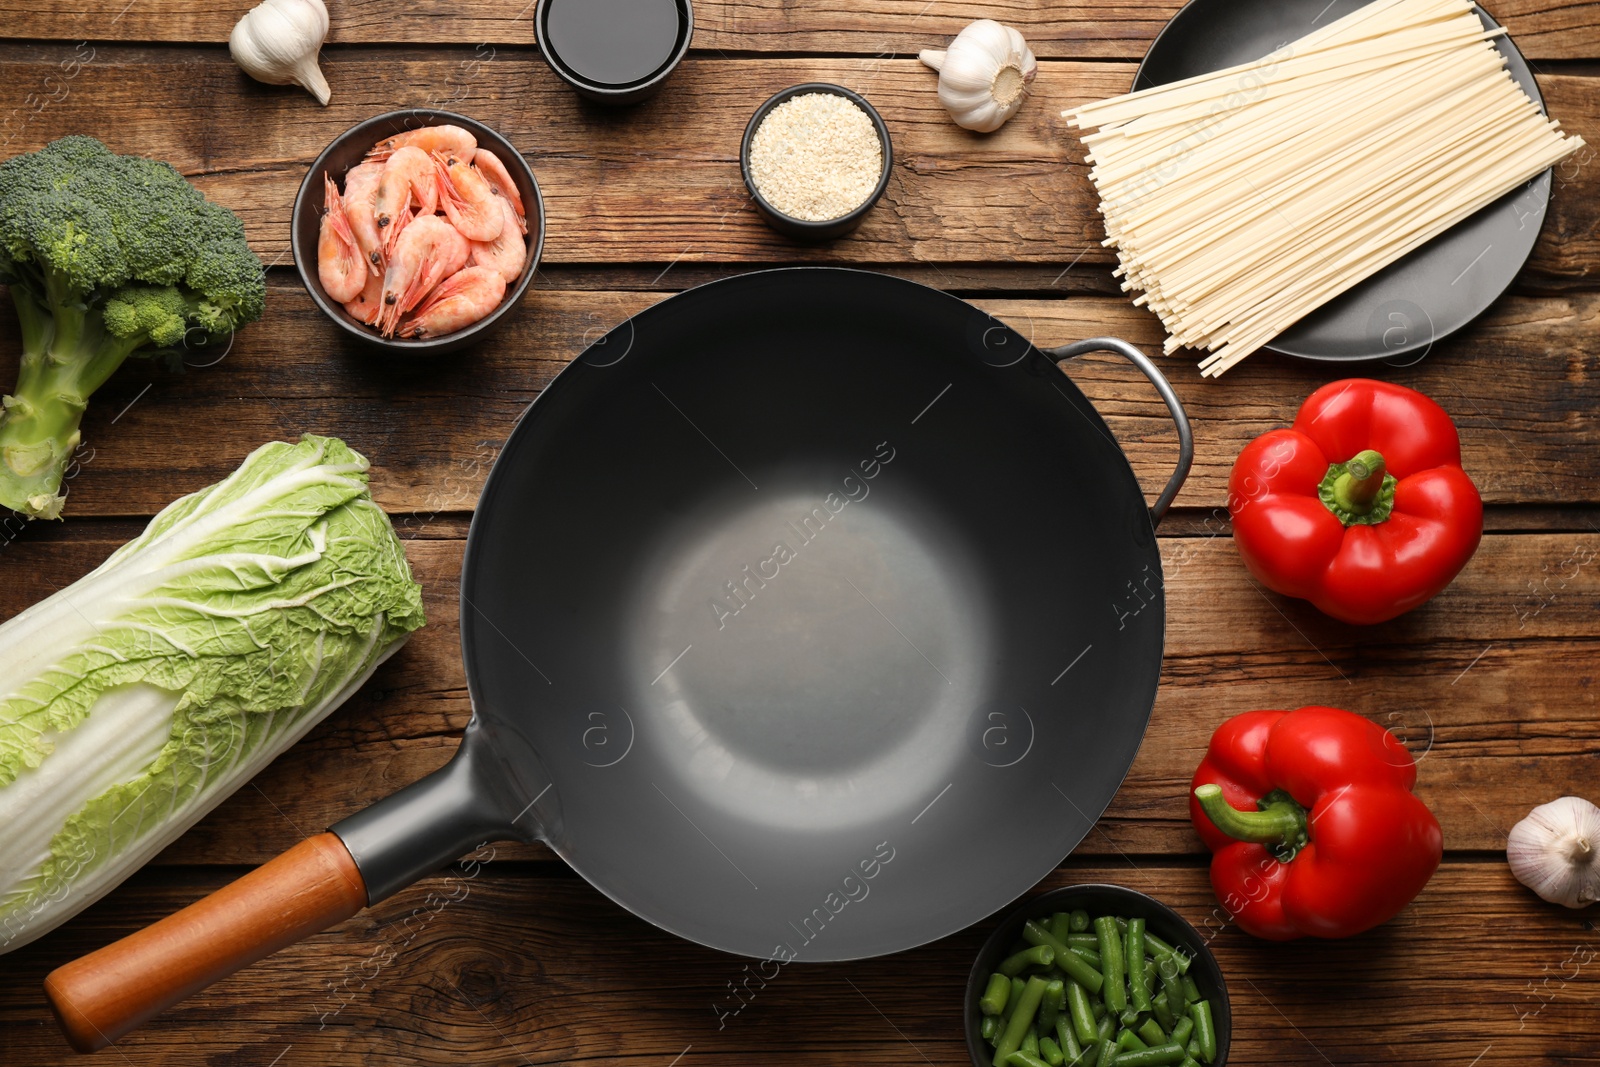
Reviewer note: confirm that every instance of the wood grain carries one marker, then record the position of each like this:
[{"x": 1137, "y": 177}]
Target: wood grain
[
  {"x": 1544, "y": 29},
  {"x": 490, "y": 967},
  {"x": 1523, "y": 386},
  {"x": 1493, "y": 685},
  {"x": 660, "y": 183}
]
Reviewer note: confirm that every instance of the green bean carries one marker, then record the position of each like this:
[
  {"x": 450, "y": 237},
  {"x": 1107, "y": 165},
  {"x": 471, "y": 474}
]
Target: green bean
[
  {"x": 1071, "y": 1050},
  {"x": 1080, "y": 920},
  {"x": 1071, "y": 964},
  {"x": 1192, "y": 1049},
  {"x": 1021, "y": 1019},
  {"x": 1191, "y": 991},
  {"x": 1037, "y": 956},
  {"x": 1152, "y": 1033},
  {"x": 1050, "y": 1052},
  {"x": 1060, "y": 926},
  {"x": 1016, "y": 990},
  {"x": 1083, "y": 940},
  {"x": 1107, "y": 1050},
  {"x": 1127, "y": 1039},
  {"x": 1161, "y": 950},
  {"x": 1161, "y": 1004},
  {"x": 1087, "y": 955},
  {"x": 1172, "y": 985},
  {"x": 1189, "y": 1061},
  {"x": 1030, "y": 1044},
  {"x": 1106, "y": 1027},
  {"x": 990, "y": 1027},
  {"x": 1129, "y": 1017},
  {"x": 1082, "y": 1014},
  {"x": 1183, "y": 1030},
  {"x": 1135, "y": 962},
  {"x": 1055, "y": 996},
  {"x": 1024, "y": 1059},
  {"x": 1154, "y": 1056},
  {"x": 996, "y": 996},
  {"x": 1200, "y": 1012},
  {"x": 1114, "y": 992}
]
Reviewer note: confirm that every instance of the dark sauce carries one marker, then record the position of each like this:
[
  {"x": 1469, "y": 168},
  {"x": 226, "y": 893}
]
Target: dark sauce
[{"x": 613, "y": 42}]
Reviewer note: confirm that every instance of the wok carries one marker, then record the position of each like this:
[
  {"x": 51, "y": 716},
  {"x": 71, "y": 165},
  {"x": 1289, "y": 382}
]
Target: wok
[{"x": 811, "y": 614}]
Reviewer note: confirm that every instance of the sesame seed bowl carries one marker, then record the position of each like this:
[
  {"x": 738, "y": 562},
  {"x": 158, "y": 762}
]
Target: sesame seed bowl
[{"x": 811, "y": 170}]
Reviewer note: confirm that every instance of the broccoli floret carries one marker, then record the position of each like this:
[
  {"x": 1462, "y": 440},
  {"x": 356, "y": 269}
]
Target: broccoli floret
[{"x": 106, "y": 256}]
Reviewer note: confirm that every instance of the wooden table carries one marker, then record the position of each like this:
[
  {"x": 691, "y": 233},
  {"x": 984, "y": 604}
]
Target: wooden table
[{"x": 517, "y": 960}]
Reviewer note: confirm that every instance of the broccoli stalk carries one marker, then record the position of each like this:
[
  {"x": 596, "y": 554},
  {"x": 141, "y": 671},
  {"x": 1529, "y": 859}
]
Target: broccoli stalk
[{"x": 106, "y": 256}]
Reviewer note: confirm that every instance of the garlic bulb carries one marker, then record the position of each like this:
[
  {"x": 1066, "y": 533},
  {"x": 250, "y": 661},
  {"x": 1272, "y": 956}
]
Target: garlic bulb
[
  {"x": 982, "y": 74},
  {"x": 277, "y": 42},
  {"x": 1555, "y": 851}
]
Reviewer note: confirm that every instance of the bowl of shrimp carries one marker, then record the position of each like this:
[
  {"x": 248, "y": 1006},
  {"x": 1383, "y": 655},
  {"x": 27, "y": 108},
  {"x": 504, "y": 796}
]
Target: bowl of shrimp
[{"x": 417, "y": 230}]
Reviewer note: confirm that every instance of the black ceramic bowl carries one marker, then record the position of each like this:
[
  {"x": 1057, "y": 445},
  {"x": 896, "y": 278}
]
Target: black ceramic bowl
[
  {"x": 599, "y": 23},
  {"x": 805, "y": 229},
  {"x": 345, "y": 152},
  {"x": 1098, "y": 900}
]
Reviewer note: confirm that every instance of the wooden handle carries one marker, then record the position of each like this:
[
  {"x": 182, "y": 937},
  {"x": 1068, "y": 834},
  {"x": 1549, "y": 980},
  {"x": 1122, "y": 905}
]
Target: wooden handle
[{"x": 105, "y": 994}]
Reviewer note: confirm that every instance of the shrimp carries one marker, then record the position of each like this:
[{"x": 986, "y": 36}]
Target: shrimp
[
  {"x": 360, "y": 190},
  {"x": 429, "y": 139},
  {"x": 340, "y": 266},
  {"x": 467, "y": 199},
  {"x": 500, "y": 181},
  {"x": 409, "y": 175},
  {"x": 428, "y": 251},
  {"x": 368, "y": 303},
  {"x": 507, "y": 252},
  {"x": 459, "y": 301}
]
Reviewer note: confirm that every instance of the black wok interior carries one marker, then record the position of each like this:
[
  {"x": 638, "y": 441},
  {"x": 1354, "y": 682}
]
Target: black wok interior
[{"x": 829, "y": 608}]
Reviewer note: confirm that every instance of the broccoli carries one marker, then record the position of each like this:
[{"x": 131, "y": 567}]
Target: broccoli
[{"x": 107, "y": 257}]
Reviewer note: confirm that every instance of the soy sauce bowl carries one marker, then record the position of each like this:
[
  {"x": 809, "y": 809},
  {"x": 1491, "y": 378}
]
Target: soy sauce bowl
[
  {"x": 807, "y": 229},
  {"x": 585, "y": 83},
  {"x": 347, "y": 150},
  {"x": 1099, "y": 899}
]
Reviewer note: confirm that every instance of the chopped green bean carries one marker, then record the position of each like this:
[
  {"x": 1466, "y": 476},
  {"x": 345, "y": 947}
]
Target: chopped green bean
[
  {"x": 1050, "y": 1052},
  {"x": 1106, "y": 1027},
  {"x": 1081, "y": 1013},
  {"x": 1154, "y": 1056},
  {"x": 1021, "y": 1019},
  {"x": 1129, "y": 1017},
  {"x": 1080, "y": 920},
  {"x": 1161, "y": 1004},
  {"x": 1140, "y": 992},
  {"x": 1190, "y": 991},
  {"x": 1082, "y": 940},
  {"x": 1152, "y": 1033},
  {"x": 1192, "y": 1049},
  {"x": 1030, "y": 1043},
  {"x": 1087, "y": 955},
  {"x": 1037, "y": 956},
  {"x": 1189, "y": 1061},
  {"x": 1127, "y": 1040},
  {"x": 1024, "y": 1059},
  {"x": 1161, "y": 950},
  {"x": 1114, "y": 992},
  {"x": 1063, "y": 957},
  {"x": 1200, "y": 1012},
  {"x": 1055, "y": 997},
  {"x": 1016, "y": 990},
  {"x": 996, "y": 996},
  {"x": 1183, "y": 1031},
  {"x": 1067, "y": 1040},
  {"x": 1060, "y": 926},
  {"x": 990, "y": 1027}
]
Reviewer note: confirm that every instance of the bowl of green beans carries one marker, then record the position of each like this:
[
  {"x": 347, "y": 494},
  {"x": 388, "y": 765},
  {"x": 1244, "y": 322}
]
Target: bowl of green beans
[{"x": 1096, "y": 976}]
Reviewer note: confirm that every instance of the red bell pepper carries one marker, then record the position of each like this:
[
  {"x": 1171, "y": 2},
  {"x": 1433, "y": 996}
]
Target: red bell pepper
[
  {"x": 1312, "y": 823},
  {"x": 1361, "y": 507}
]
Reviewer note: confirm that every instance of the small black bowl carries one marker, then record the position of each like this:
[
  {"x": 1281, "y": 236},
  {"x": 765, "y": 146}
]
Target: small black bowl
[
  {"x": 347, "y": 150},
  {"x": 1098, "y": 899},
  {"x": 804, "y": 229},
  {"x": 628, "y": 92}
]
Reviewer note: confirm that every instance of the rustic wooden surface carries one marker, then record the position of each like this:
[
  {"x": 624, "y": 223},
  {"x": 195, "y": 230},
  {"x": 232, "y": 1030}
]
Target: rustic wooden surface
[{"x": 516, "y": 960}]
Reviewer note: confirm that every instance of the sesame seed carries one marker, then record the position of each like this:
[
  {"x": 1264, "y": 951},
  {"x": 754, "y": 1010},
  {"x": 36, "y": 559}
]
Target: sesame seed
[{"x": 816, "y": 157}]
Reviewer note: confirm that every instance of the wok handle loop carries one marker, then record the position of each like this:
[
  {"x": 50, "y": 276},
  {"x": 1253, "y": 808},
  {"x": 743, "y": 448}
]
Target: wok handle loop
[
  {"x": 100, "y": 997},
  {"x": 1148, "y": 368}
]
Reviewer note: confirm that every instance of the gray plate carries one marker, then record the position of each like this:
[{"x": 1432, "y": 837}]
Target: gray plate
[{"x": 1431, "y": 293}]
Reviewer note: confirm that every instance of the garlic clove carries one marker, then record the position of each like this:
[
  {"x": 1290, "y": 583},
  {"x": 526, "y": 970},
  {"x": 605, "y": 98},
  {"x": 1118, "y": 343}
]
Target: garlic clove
[
  {"x": 983, "y": 75},
  {"x": 277, "y": 42},
  {"x": 1555, "y": 851}
]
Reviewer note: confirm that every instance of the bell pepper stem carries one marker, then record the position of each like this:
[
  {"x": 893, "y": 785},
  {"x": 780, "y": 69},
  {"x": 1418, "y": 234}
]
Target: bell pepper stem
[
  {"x": 1357, "y": 488},
  {"x": 1280, "y": 822}
]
